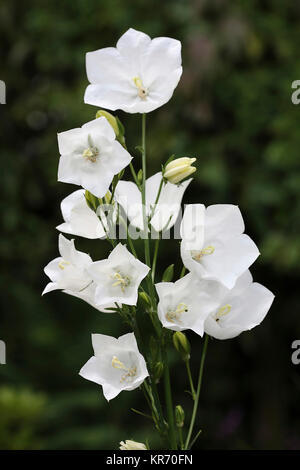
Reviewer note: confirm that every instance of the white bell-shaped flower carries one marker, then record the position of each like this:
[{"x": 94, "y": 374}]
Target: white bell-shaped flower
[
  {"x": 118, "y": 277},
  {"x": 88, "y": 295},
  {"x": 79, "y": 219},
  {"x": 163, "y": 212},
  {"x": 137, "y": 76},
  {"x": 91, "y": 156},
  {"x": 213, "y": 243},
  {"x": 186, "y": 303},
  {"x": 117, "y": 364},
  {"x": 68, "y": 272},
  {"x": 132, "y": 445},
  {"x": 244, "y": 307}
]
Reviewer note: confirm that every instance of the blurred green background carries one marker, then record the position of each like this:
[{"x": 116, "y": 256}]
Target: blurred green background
[{"x": 233, "y": 110}]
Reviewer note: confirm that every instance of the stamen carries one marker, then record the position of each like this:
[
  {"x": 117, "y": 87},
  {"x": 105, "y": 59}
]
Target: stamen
[
  {"x": 173, "y": 315},
  {"x": 121, "y": 280},
  {"x": 142, "y": 91},
  {"x": 223, "y": 311},
  {"x": 129, "y": 372},
  {"x": 62, "y": 264},
  {"x": 197, "y": 255},
  {"x": 91, "y": 153}
]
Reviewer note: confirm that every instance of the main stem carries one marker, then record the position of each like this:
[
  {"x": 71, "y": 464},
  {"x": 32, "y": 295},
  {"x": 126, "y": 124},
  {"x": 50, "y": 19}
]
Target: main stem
[
  {"x": 169, "y": 403},
  {"x": 196, "y": 402},
  {"x": 144, "y": 169}
]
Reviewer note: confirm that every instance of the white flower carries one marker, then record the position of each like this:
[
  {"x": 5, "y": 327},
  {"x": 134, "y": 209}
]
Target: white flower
[
  {"x": 168, "y": 205},
  {"x": 90, "y": 156},
  {"x": 117, "y": 364},
  {"x": 88, "y": 295},
  {"x": 137, "y": 76},
  {"x": 69, "y": 270},
  {"x": 186, "y": 303},
  {"x": 79, "y": 218},
  {"x": 213, "y": 243},
  {"x": 118, "y": 277},
  {"x": 132, "y": 445},
  {"x": 243, "y": 308}
]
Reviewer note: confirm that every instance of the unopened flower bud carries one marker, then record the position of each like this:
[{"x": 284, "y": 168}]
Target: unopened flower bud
[
  {"x": 111, "y": 119},
  {"x": 182, "y": 345},
  {"x": 179, "y": 169},
  {"x": 158, "y": 371},
  {"x": 145, "y": 299},
  {"x": 179, "y": 416},
  {"x": 132, "y": 445},
  {"x": 107, "y": 198},
  {"x": 140, "y": 176},
  {"x": 92, "y": 201}
]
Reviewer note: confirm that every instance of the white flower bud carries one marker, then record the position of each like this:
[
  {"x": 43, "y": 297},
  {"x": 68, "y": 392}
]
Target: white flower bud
[
  {"x": 179, "y": 169},
  {"x": 132, "y": 445}
]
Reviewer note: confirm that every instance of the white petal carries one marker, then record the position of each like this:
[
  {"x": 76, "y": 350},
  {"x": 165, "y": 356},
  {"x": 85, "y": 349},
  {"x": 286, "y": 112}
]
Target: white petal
[
  {"x": 161, "y": 68},
  {"x": 193, "y": 226},
  {"x": 100, "y": 126},
  {"x": 223, "y": 221},
  {"x": 128, "y": 341},
  {"x": 249, "y": 307},
  {"x": 50, "y": 287},
  {"x": 52, "y": 269},
  {"x": 169, "y": 205},
  {"x": 80, "y": 219},
  {"x": 103, "y": 343},
  {"x": 128, "y": 195},
  {"x": 132, "y": 47},
  {"x": 152, "y": 187},
  {"x": 229, "y": 260},
  {"x": 69, "y": 140}
]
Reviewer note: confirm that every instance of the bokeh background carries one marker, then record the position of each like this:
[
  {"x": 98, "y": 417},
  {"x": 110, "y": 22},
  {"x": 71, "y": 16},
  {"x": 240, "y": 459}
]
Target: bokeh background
[{"x": 233, "y": 110}]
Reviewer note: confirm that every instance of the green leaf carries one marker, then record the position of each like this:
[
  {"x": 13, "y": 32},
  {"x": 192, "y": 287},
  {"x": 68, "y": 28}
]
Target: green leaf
[{"x": 168, "y": 274}]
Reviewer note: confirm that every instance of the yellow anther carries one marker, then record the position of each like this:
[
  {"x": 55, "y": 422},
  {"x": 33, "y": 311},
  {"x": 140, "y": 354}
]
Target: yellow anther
[
  {"x": 142, "y": 91},
  {"x": 117, "y": 364},
  {"x": 91, "y": 154},
  {"x": 208, "y": 250},
  {"x": 173, "y": 315},
  {"x": 62, "y": 264},
  {"x": 122, "y": 281},
  {"x": 223, "y": 311},
  {"x": 129, "y": 372}
]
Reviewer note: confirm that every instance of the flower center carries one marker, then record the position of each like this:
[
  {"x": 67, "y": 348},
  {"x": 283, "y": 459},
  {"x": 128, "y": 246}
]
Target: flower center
[
  {"x": 174, "y": 315},
  {"x": 91, "y": 152},
  {"x": 121, "y": 280},
  {"x": 142, "y": 91},
  {"x": 222, "y": 311},
  {"x": 63, "y": 263},
  {"x": 129, "y": 372},
  {"x": 197, "y": 255}
]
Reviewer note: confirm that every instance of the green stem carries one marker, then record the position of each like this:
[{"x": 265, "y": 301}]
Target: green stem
[
  {"x": 169, "y": 403},
  {"x": 145, "y": 221},
  {"x": 144, "y": 168},
  {"x": 157, "y": 198},
  {"x": 180, "y": 438},
  {"x": 188, "y": 369},
  {"x": 155, "y": 258},
  {"x": 134, "y": 174},
  {"x": 196, "y": 402}
]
